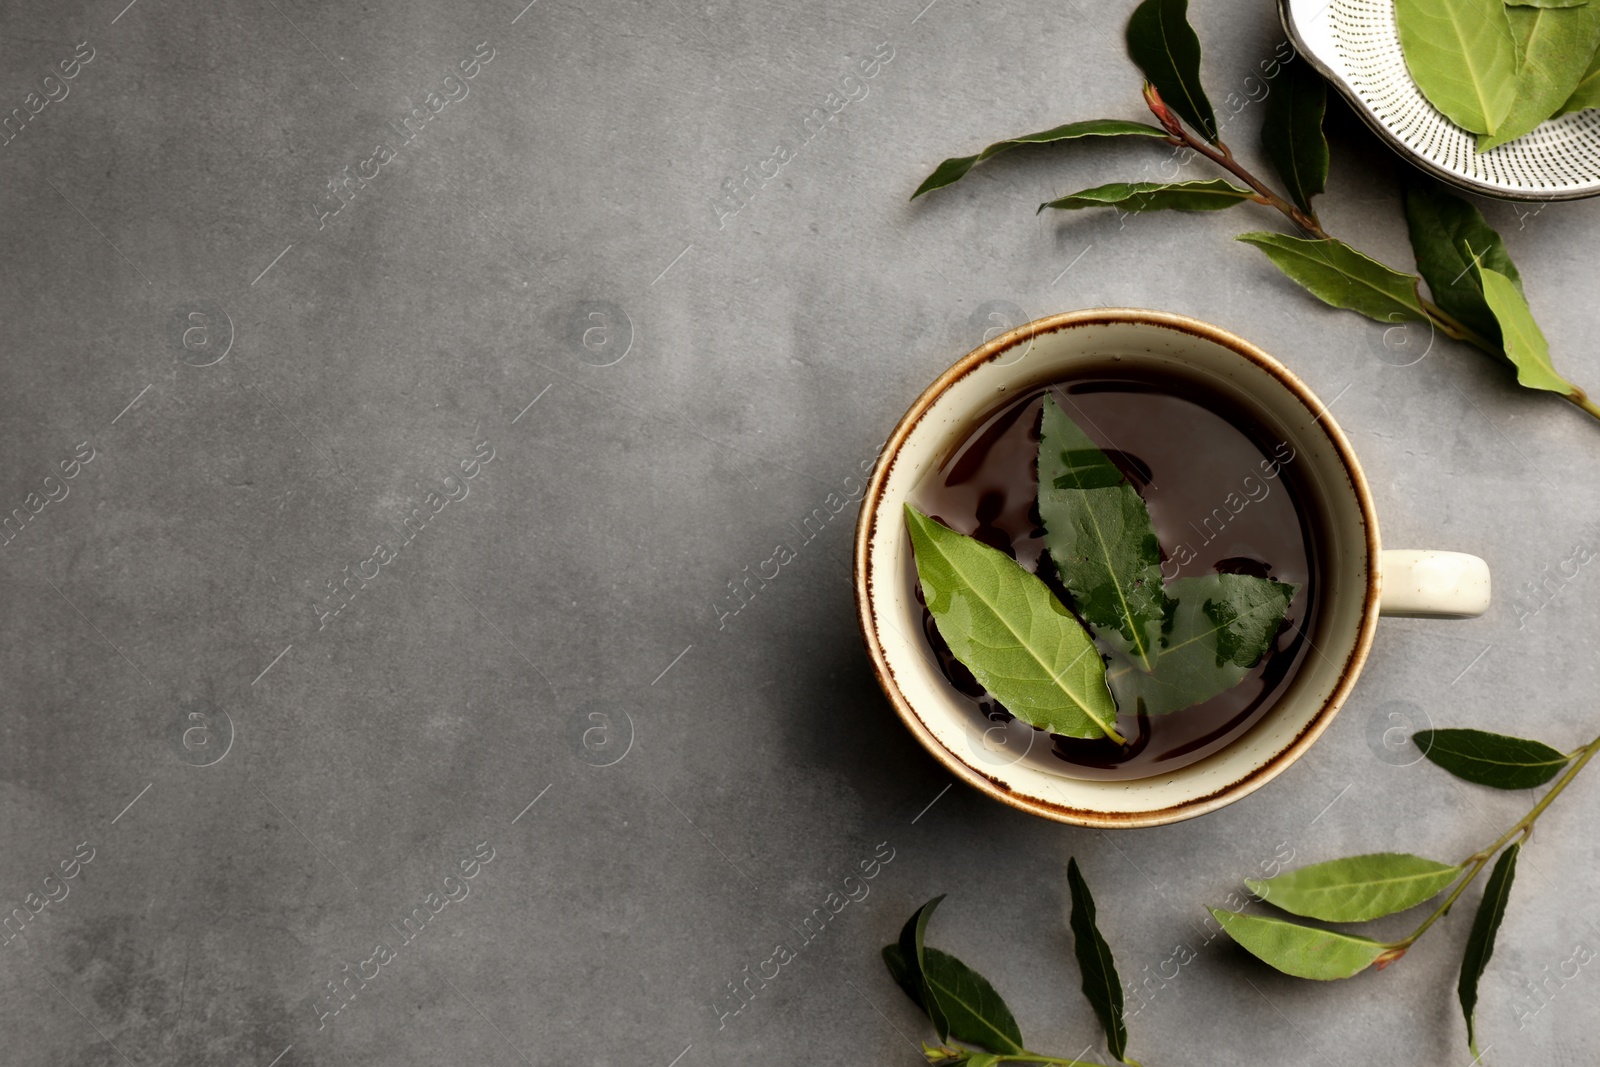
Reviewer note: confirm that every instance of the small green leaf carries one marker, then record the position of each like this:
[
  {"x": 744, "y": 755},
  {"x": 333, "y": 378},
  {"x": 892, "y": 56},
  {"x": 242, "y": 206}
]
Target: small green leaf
[
  {"x": 1218, "y": 627},
  {"x": 1337, "y": 274},
  {"x": 1462, "y": 56},
  {"x": 1587, "y": 93},
  {"x": 1009, "y": 629},
  {"x": 953, "y": 170},
  {"x": 959, "y": 1001},
  {"x": 1449, "y": 236},
  {"x": 1101, "y": 985},
  {"x": 1554, "y": 47},
  {"x": 1212, "y": 194},
  {"x": 1242, "y": 614},
  {"x": 1480, "y": 942},
  {"x": 1491, "y": 759},
  {"x": 1523, "y": 340},
  {"x": 1356, "y": 888},
  {"x": 913, "y": 958},
  {"x": 1291, "y": 131},
  {"x": 974, "y": 1012},
  {"x": 1165, "y": 47},
  {"x": 1301, "y": 951},
  {"x": 1100, "y": 538}
]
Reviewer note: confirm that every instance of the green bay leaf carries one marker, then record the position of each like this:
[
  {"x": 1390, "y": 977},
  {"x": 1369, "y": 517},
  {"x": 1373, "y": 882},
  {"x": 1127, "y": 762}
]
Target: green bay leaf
[
  {"x": 1587, "y": 92},
  {"x": 953, "y": 170},
  {"x": 1480, "y": 942},
  {"x": 1337, "y": 274},
  {"x": 1301, "y": 951},
  {"x": 1449, "y": 237},
  {"x": 1493, "y": 760},
  {"x": 1462, "y": 56},
  {"x": 1242, "y": 613},
  {"x": 1211, "y": 194},
  {"x": 959, "y": 1001},
  {"x": 1524, "y": 342},
  {"x": 1291, "y": 132},
  {"x": 1165, "y": 47},
  {"x": 1356, "y": 888},
  {"x": 1102, "y": 987},
  {"x": 974, "y": 1012},
  {"x": 1554, "y": 46},
  {"x": 1009, "y": 629},
  {"x": 1218, "y": 628},
  {"x": 1099, "y": 534}
]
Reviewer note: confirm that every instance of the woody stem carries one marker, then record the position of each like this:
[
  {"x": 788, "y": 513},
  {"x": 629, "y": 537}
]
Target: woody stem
[{"x": 1222, "y": 156}]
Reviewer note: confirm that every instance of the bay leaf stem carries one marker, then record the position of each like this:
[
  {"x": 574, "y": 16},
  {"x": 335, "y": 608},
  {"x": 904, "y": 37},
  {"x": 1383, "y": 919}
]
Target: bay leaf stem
[
  {"x": 1523, "y": 827},
  {"x": 1459, "y": 330},
  {"x": 1581, "y": 399},
  {"x": 1222, "y": 156}
]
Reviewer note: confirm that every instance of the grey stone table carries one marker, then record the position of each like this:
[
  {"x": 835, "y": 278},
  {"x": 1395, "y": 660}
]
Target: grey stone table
[{"x": 427, "y": 373}]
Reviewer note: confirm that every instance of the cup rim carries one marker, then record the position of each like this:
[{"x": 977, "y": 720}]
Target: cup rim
[{"x": 995, "y": 787}]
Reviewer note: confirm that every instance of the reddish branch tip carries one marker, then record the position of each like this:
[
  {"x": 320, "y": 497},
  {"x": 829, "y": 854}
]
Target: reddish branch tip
[
  {"x": 1389, "y": 957},
  {"x": 1161, "y": 111}
]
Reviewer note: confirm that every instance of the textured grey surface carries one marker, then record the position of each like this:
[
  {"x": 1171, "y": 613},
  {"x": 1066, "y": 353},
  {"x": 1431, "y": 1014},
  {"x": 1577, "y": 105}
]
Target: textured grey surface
[{"x": 334, "y": 776}]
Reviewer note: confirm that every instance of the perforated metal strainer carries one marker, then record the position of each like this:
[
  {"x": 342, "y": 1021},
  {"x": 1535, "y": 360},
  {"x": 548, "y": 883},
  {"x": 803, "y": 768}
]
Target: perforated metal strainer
[{"x": 1355, "y": 44}]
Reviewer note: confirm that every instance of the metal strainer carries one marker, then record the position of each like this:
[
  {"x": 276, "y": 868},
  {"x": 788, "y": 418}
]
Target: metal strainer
[{"x": 1355, "y": 44}]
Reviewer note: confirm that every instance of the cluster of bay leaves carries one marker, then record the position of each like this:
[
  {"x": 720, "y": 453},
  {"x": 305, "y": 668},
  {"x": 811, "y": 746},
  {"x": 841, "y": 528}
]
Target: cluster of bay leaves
[
  {"x": 1501, "y": 67},
  {"x": 963, "y": 1006},
  {"x": 1476, "y": 294},
  {"x": 1133, "y": 642},
  {"x": 1373, "y": 886}
]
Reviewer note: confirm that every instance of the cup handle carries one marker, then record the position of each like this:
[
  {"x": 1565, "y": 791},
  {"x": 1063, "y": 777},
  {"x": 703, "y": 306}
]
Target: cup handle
[{"x": 1433, "y": 585}]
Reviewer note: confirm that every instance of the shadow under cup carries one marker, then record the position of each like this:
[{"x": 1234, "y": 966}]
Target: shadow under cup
[{"x": 1331, "y": 492}]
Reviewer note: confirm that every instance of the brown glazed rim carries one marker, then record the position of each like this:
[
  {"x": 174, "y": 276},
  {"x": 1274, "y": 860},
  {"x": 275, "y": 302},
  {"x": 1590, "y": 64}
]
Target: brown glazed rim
[{"x": 998, "y": 788}]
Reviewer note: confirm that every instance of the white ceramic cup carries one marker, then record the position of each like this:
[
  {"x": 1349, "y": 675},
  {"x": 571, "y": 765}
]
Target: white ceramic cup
[{"x": 1362, "y": 581}]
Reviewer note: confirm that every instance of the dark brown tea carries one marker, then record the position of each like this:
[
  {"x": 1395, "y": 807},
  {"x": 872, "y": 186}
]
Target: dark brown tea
[{"x": 1224, "y": 495}]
